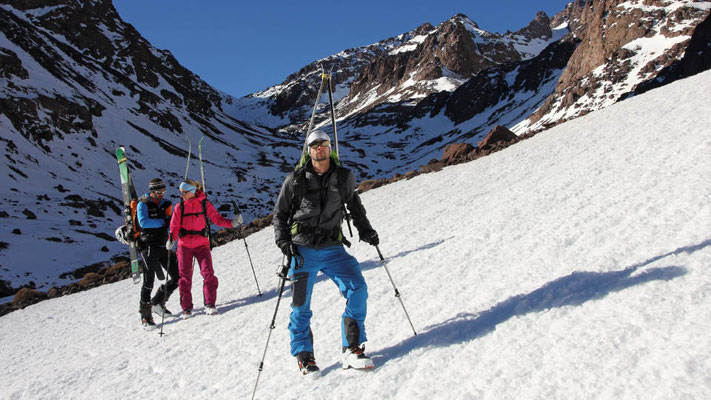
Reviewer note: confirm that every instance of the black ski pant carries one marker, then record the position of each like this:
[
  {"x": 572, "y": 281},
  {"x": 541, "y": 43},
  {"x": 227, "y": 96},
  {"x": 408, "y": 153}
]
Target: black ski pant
[{"x": 157, "y": 257}]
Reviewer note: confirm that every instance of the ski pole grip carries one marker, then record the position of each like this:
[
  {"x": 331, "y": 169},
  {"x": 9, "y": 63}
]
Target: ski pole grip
[
  {"x": 283, "y": 269},
  {"x": 379, "y": 253}
]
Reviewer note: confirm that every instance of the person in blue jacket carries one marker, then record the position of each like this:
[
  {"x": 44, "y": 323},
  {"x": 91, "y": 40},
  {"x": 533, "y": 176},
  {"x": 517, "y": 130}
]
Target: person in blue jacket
[{"x": 153, "y": 213}]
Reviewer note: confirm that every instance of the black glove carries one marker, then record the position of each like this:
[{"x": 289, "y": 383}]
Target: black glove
[
  {"x": 289, "y": 249},
  {"x": 370, "y": 237}
]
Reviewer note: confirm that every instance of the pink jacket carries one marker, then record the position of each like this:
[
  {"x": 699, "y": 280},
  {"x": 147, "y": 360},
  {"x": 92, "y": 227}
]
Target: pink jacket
[{"x": 195, "y": 222}]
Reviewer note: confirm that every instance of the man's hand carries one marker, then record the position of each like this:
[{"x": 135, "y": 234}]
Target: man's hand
[
  {"x": 370, "y": 237},
  {"x": 289, "y": 249}
]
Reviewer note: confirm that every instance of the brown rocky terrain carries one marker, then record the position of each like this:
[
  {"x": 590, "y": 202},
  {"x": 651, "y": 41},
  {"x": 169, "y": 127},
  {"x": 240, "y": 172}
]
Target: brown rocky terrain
[{"x": 602, "y": 62}]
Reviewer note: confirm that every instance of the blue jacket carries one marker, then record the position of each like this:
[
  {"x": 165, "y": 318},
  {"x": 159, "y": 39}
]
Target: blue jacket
[{"x": 154, "y": 219}]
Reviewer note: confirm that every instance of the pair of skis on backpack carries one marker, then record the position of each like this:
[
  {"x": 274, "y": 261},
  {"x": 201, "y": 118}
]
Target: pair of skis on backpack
[{"x": 129, "y": 194}]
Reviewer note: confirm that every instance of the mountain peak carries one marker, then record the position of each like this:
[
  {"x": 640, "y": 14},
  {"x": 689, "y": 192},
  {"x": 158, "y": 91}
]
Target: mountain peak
[
  {"x": 424, "y": 29},
  {"x": 49, "y": 5},
  {"x": 538, "y": 28},
  {"x": 463, "y": 18}
]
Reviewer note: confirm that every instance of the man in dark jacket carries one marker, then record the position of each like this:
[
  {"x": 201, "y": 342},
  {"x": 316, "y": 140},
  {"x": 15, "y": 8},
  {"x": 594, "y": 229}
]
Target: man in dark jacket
[
  {"x": 153, "y": 213},
  {"x": 307, "y": 225}
]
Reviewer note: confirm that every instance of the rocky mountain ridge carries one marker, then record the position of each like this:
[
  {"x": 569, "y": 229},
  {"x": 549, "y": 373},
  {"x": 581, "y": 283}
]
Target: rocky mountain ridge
[
  {"x": 623, "y": 45},
  {"x": 410, "y": 66},
  {"x": 77, "y": 82}
]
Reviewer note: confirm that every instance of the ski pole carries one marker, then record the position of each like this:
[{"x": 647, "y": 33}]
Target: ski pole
[
  {"x": 244, "y": 238},
  {"x": 348, "y": 219},
  {"x": 333, "y": 112},
  {"x": 165, "y": 292},
  {"x": 202, "y": 172},
  {"x": 326, "y": 77},
  {"x": 313, "y": 113},
  {"x": 397, "y": 293},
  {"x": 282, "y": 273},
  {"x": 190, "y": 149}
]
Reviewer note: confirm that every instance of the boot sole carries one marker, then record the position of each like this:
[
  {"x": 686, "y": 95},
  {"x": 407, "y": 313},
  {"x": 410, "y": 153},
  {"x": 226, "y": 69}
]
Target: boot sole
[
  {"x": 312, "y": 375},
  {"x": 363, "y": 368}
]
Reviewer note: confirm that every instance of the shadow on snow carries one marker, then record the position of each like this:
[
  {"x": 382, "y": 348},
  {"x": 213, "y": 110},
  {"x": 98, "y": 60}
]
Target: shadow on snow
[{"x": 571, "y": 290}]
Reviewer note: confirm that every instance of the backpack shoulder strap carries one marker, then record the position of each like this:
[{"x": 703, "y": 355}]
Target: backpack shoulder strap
[
  {"x": 298, "y": 185},
  {"x": 341, "y": 180},
  {"x": 204, "y": 211},
  {"x": 207, "y": 222},
  {"x": 182, "y": 212}
]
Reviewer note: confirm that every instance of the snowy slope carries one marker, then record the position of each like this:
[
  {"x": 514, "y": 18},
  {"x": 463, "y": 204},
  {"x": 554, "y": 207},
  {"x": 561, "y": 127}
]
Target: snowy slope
[{"x": 574, "y": 264}]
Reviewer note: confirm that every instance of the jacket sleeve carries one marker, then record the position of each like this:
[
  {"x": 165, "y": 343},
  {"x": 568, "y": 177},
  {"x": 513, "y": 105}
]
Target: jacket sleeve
[
  {"x": 144, "y": 221},
  {"x": 282, "y": 211},
  {"x": 175, "y": 223},
  {"x": 355, "y": 207},
  {"x": 215, "y": 217}
]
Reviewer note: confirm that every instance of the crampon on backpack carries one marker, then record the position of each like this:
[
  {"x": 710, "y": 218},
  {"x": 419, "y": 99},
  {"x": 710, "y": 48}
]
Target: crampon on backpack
[{"x": 130, "y": 232}]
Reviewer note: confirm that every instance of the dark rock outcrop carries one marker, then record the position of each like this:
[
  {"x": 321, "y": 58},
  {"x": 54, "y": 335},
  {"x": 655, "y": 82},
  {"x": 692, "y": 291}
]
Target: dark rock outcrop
[
  {"x": 697, "y": 58},
  {"x": 603, "y": 60},
  {"x": 489, "y": 87},
  {"x": 497, "y": 135}
]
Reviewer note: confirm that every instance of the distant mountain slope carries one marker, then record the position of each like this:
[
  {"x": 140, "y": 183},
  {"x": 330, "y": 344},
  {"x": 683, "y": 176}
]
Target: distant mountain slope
[
  {"x": 76, "y": 82},
  {"x": 407, "y": 67}
]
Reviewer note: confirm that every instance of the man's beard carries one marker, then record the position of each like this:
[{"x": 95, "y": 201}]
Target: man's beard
[{"x": 320, "y": 158}]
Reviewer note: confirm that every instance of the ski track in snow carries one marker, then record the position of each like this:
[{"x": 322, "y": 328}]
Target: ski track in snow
[{"x": 574, "y": 264}]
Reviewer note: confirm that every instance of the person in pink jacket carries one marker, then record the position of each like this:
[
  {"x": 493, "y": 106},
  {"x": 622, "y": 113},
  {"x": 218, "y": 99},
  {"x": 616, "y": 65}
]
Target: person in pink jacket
[{"x": 189, "y": 226}]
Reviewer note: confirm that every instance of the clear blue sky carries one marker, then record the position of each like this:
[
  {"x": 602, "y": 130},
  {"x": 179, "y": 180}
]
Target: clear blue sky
[{"x": 244, "y": 47}]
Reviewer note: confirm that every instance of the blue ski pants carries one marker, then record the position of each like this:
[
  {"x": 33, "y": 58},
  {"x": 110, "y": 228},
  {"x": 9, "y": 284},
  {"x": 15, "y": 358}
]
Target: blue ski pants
[{"x": 344, "y": 270}]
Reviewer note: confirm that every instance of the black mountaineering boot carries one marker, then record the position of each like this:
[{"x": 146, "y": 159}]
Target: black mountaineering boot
[
  {"x": 159, "y": 303},
  {"x": 146, "y": 318},
  {"x": 307, "y": 364}
]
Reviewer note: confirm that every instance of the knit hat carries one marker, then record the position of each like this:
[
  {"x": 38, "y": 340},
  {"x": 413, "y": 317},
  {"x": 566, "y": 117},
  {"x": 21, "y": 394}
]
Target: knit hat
[
  {"x": 315, "y": 136},
  {"x": 156, "y": 184}
]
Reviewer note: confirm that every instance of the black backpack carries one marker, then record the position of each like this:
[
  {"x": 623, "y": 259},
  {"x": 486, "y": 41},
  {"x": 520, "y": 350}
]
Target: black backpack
[{"x": 300, "y": 191}]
